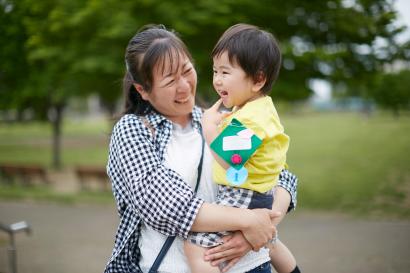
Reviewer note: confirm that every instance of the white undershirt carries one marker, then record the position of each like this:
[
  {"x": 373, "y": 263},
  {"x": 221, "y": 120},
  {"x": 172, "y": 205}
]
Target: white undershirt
[{"x": 183, "y": 156}]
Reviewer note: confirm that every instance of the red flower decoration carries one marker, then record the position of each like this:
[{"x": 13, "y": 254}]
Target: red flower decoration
[{"x": 236, "y": 159}]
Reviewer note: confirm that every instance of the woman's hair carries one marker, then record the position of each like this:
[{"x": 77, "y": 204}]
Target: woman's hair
[
  {"x": 256, "y": 51},
  {"x": 152, "y": 47}
]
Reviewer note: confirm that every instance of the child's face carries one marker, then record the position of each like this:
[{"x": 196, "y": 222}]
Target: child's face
[{"x": 232, "y": 84}]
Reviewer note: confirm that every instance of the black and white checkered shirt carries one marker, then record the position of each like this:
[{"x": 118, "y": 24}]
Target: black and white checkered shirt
[{"x": 146, "y": 190}]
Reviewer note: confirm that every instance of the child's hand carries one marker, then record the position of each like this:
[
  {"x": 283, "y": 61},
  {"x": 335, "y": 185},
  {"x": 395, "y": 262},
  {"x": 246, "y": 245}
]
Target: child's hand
[
  {"x": 212, "y": 117},
  {"x": 210, "y": 121}
]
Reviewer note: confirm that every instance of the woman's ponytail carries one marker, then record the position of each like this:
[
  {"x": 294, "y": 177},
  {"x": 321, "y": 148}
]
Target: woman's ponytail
[{"x": 133, "y": 104}]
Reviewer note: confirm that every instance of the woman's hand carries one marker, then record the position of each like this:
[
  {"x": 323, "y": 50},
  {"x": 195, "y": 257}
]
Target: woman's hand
[
  {"x": 260, "y": 229},
  {"x": 234, "y": 247}
]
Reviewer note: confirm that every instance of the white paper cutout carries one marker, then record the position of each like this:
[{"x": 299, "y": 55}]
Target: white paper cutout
[
  {"x": 247, "y": 133},
  {"x": 230, "y": 143}
]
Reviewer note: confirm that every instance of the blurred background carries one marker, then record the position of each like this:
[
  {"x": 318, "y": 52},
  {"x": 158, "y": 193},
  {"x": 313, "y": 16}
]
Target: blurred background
[{"x": 343, "y": 95}]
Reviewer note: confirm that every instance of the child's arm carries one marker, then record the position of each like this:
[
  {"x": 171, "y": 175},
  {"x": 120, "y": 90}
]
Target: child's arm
[
  {"x": 281, "y": 203},
  {"x": 210, "y": 121}
]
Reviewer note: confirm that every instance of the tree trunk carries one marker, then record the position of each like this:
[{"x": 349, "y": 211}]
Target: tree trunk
[{"x": 56, "y": 122}]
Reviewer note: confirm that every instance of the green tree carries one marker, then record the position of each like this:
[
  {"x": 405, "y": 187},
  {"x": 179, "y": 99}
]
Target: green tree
[
  {"x": 13, "y": 55},
  {"x": 52, "y": 50},
  {"x": 50, "y": 58},
  {"x": 339, "y": 41},
  {"x": 392, "y": 91}
]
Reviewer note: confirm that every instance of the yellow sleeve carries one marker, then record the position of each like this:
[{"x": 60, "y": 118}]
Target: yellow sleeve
[{"x": 269, "y": 159}]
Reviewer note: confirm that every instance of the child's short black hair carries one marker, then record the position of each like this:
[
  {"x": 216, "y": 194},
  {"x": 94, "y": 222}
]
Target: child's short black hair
[{"x": 254, "y": 50}]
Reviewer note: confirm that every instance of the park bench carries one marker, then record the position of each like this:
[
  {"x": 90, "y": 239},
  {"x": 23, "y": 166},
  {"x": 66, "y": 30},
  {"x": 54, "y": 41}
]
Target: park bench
[
  {"x": 26, "y": 174},
  {"x": 89, "y": 174}
]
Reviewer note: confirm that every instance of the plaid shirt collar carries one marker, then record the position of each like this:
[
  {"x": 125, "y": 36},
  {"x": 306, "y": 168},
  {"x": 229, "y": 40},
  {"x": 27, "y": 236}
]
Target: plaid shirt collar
[{"x": 156, "y": 119}]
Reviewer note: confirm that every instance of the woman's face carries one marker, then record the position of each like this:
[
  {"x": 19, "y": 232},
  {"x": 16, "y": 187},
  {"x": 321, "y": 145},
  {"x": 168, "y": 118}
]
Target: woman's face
[{"x": 173, "y": 89}]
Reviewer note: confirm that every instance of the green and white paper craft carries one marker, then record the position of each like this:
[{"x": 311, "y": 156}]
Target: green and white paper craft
[{"x": 236, "y": 144}]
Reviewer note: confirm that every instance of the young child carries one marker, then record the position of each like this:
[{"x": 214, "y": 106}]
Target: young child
[{"x": 246, "y": 62}]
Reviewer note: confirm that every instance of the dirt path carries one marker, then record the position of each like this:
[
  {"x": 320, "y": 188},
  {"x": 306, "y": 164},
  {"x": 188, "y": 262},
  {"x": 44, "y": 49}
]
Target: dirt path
[{"x": 77, "y": 239}]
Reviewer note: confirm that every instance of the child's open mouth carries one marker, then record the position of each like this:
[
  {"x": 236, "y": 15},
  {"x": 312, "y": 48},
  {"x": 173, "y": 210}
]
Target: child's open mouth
[{"x": 223, "y": 93}]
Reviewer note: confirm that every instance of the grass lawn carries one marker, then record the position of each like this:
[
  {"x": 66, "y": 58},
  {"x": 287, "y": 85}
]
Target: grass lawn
[
  {"x": 344, "y": 161},
  {"x": 82, "y": 143},
  {"x": 349, "y": 162},
  {"x": 44, "y": 193}
]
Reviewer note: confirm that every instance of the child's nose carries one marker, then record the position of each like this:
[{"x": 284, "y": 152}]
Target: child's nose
[{"x": 217, "y": 80}]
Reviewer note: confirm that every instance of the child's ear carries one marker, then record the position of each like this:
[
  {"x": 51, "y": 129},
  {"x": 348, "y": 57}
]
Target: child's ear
[
  {"x": 259, "y": 82},
  {"x": 140, "y": 89}
]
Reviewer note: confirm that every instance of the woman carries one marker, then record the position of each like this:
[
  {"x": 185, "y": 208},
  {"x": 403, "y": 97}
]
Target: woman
[{"x": 155, "y": 149}]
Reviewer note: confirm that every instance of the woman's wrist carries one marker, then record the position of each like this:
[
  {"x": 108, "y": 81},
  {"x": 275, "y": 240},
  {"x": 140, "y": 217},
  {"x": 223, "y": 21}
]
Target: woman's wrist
[
  {"x": 258, "y": 228},
  {"x": 244, "y": 222}
]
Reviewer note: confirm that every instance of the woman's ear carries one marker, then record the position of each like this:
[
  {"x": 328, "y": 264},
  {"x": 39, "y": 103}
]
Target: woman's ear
[
  {"x": 140, "y": 89},
  {"x": 259, "y": 82}
]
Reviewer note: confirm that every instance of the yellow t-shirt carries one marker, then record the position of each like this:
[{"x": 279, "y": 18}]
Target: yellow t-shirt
[{"x": 267, "y": 162}]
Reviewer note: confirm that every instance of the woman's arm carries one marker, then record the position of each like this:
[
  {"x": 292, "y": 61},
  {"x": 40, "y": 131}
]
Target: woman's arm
[
  {"x": 256, "y": 225},
  {"x": 236, "y": 246},
  {"x": 144, "y": 186},
  {"x": 163, "y": 200}
]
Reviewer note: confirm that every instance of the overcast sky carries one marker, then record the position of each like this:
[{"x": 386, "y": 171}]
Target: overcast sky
[
  {"x": 322, "y": 88},
  {"x": 403, "y": 6}
]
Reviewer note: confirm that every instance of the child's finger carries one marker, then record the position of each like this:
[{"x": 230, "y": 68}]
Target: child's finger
[
  {"x": 225, "y": 114},
  {"x": 216, "y": 105},
  {"x": 220, "y": 248},
  {"x": 222, "y": 256}
]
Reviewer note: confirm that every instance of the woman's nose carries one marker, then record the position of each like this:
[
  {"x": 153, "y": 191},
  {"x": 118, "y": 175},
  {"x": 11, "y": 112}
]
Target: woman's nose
[{"x": 183, "y": 85}]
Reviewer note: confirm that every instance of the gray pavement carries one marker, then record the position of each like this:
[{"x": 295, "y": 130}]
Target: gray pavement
[{"x": 79, "y": 238}]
